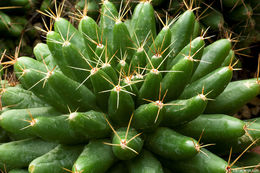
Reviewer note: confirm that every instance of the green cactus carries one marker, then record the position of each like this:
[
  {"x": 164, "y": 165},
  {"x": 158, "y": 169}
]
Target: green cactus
[{"x": 120, "y": 96}]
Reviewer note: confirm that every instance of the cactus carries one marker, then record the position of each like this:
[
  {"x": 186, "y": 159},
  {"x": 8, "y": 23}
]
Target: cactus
[
  {"x": 16, "y": 26},
  {"x": 123, "y": 96}
]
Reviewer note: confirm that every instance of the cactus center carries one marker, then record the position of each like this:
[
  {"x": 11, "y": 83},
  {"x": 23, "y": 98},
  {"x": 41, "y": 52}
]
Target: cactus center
[
  {"x": 123, "y": 144},
  {"x": 140, "y": 49},
  {"x": 203, "y": 97},
  {"x": 159, "y": 104},
  {"x": 106, "y": 65},
  {"x": 66, "y": 43},
  {"x": 122, "y": 62},
  {"x": 228, "y": 169},
  {"x": 157, "y": 55},
  {"x": 155, "y": 71},
  {"x": 100, "y": 45},
  {"x": 189, "y": 58},
  {"x": 49, "y": 73},
  {"x": 72, "y": 115},
  {"x": 33, "y": 122},
  {"x": 128, "y": 79},
  {"x": 117, "y": 88},
  {"x": 94, "y": 70},
  {"x": 118, "y": 21}
]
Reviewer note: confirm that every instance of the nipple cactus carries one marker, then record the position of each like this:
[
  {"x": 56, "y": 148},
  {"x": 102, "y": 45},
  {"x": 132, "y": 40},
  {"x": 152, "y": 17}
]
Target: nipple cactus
[{"x": 122, "y": 96}]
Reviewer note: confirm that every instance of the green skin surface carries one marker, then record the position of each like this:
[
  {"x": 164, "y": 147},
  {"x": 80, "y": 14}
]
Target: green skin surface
[
  {"x": 20, "y": 98},
  {"x": 19, "y": 154},
  {"x": 122, "y": 41},
  {"x": 100, "y": 53},
  {"x": 68, "y": 31},
  {"x": 3, "y": 136},
  {"x": 117, "y": 168},
  {"x": 238, "y": 145},
  {"x": 4, "y": 22},
  {"x": 213, "y": 56},
  {"x": 95, "y": 158},
  {"x": 57, "y": 129},
  {"x": 255, "y": 134},
  {"x": 42, "y": 53},
  {"x": 83, "y": 99},
  {"x": 27, "y": 62},
  {"x": 15, "y": 30},
  {"x": 171, "y": 145},
  {"x": 240, "y": 13},
  {"x": 143, "y": 22},
  {"x": 145, "y": 163},
  {"x": 139, "y": 80},
  {"x": 128, "y": 23},
  {"x": 234, "y": 97},
  {"x": 182, "y": 31},
  {"x": 67, "y": 102},
  {"x": 92, "y": 7},
  {"x": 18, "y": 171},
  {"x": 135, "y": 144},
  {"x": 3, "y": 83},
  {"x": 139, "y": 59},
  {"x": 160, "y": 44},
  {"x": 110, "y": 71},
  {"x": 120, "y": 107},
  {"x": 152, "y": 80},
  {"x": 108, "y": 11},
  {"x": 89, "y": 30},
  {"x": 10, "y": 26},
  {"x": 174, "y": 82},
  {"x": 56, "y": 159},
  {"x": 45, "y": 5},
  {"x": 155, "y": 61},
  {"x": 249, "y": 158},
  {"x": 46, "y": 93},
  {"x": 215, "y": 128},
  {"x": 131, "y": 88},
  {"x": 14, "y": 120},
  {"x": 123, "y": 67},
  {"x": 77, "y": 60},
  {"x": 135, "y": 17},
  {"x": 54, "y": 41},
  {"x": 196, "y": 30},
  {"x": 145, "y": 116},
  {"x": 90, "y": 124},
  {"x": 231, "y": 3},
  {"x": 231, "y": 56},
  {"x": 194, "y": 48},
  {"x": 256, "y": 120},
  {"x": 201, "y": 163},
  {"x": 100, "y": 84},
  {"x": 184, "y": 111},
  {"x": 215, "y": 82},
  {"x": 213, "y": 19},
  {"x": 19, "y": 2}
]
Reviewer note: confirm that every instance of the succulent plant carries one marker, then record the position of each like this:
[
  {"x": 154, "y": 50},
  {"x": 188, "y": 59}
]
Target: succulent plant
[
  {"x": 120, "y": 96},
  {"x": 16, "y": 23}
]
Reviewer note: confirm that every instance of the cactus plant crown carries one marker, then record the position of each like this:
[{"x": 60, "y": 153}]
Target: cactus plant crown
[{"x": 119, "y": 95}]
